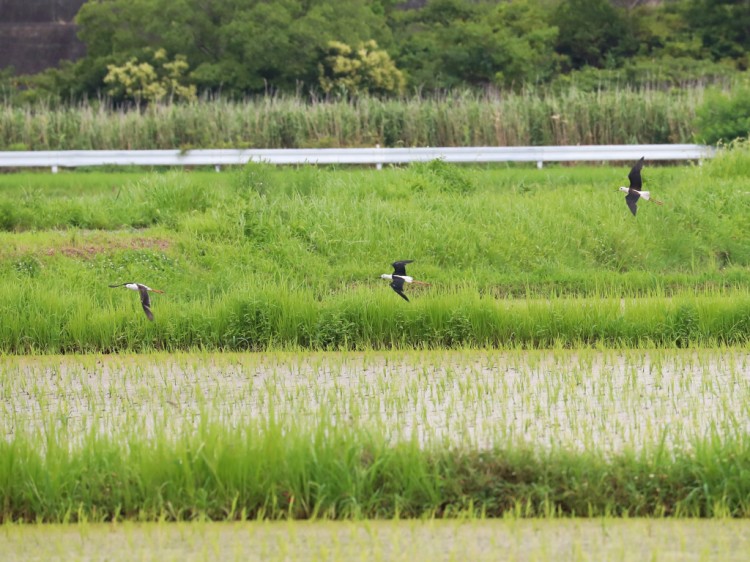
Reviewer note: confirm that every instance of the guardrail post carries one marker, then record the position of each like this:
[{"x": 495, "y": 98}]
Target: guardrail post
[
  {"x": 379, "y": 165},
  {"x": 539, "y": 164},
  {"x": 217, "y": 168},
  {"x": 54, "y": 168}
]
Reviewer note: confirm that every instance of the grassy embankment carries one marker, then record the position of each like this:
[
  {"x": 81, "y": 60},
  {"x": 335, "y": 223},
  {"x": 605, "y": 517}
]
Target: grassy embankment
[
  {"x": 459, "y": 119},
  {"x": 261, "y": 258}
]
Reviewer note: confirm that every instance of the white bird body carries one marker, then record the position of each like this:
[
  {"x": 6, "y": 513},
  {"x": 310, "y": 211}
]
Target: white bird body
[
  {"x": 634, "y": 191},
  {"x": 406, "y": 278},
  {"x": 143, "y": 290},
  {"x": 645, "y": 194},
  {"x": 399, "y": 277}
]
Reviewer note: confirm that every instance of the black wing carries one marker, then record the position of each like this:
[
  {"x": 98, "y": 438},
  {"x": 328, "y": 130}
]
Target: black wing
[
  {"x": 397, "y": 284},
  {"x": 632, "y": 199},
  {"x": 145, "y": 302},
  {"x": 399, "y": 267},
  {"x": 635, "y": 175}
]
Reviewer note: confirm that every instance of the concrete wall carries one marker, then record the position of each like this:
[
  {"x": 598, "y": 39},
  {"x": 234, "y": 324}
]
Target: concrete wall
[{"x": 38, "y": 34}]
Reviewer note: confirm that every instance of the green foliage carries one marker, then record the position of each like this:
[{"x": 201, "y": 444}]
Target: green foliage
[
  {"x": 593, "y": 33},
  {"x": 451, "y": 43},
  {"x": 365, "y": 69},
  {"x": 722, "y": 26},
  {"x": 724, "y": 115},
  {"x": 237, "y": 48},
  {"x": 141, "y": 81}
]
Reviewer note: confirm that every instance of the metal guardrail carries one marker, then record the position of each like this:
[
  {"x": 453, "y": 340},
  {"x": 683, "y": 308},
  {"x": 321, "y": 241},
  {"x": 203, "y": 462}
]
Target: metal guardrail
[{"x": 56, "y": 159}]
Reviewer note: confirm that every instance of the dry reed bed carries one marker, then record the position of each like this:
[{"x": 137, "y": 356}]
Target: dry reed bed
[{"x": 620, "y": 116}]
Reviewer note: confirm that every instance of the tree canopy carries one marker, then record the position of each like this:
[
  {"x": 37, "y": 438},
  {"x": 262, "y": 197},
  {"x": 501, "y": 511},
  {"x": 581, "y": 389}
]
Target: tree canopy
[{"x": 244, "y": 47}]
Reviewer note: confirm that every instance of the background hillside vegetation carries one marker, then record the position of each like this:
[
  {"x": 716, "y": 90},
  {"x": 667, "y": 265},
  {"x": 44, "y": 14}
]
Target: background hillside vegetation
[
  {"x": 239, "y": 48},
  {"x": 146, "y": 54}
]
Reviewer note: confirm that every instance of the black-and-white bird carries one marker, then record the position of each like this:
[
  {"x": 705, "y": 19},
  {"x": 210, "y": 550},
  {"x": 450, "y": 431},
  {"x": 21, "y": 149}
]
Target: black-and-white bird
[
  {"x": 634, "y": 191},
  {"x": 145, "y": 300},
  {"x": 399, "y": 277}
]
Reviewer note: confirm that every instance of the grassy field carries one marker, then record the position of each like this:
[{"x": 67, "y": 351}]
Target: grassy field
[
  {"x": 263, "y": 258},
  {"x": 612, "y": 417},
  {"x": 603, "y": 540},
  {"x": 621, "y": 116}
]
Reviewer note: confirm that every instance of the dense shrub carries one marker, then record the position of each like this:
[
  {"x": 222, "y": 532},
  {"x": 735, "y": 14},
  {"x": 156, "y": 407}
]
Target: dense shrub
[{"x": 724, "y": 116}]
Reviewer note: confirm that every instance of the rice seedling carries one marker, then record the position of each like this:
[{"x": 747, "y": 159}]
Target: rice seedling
[
  {"x": 370, "y": 435},
  {"x": 582, "y": 399},
  {"x": 373, "y": 435}
]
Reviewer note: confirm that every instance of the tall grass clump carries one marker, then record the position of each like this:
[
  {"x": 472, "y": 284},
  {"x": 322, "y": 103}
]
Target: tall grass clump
[
  {"x": 105, "y": 320},
  {"x": 254, "y": 472},
  {"x": 531, "y": 117}
]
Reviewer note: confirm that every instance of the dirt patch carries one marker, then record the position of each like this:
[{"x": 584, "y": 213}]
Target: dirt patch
[{"x": 91, "y": 250}]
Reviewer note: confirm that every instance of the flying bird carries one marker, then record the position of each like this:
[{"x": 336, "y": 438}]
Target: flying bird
[
  {"x": 399, "y": 277},
  {"x": 145, "y": 300},
  {"x": 634, "y": 191}
]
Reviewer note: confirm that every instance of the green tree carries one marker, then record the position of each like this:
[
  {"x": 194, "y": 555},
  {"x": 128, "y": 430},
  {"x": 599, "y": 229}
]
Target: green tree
[
  {"x": 236, "y": 46},
  {"x": 456, "y": 42},
  {"x": 723, "y": 27},
  {"x": 364, "y": 69},
  {"x": 593, "y": 33},
  {"x": 142, "y": 81}
]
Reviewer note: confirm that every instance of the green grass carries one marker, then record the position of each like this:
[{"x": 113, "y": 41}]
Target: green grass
[
  {"x": 262, "y": 258},
  {"x": 254, "y": 472},
  {"x": 620, "y": 116}
]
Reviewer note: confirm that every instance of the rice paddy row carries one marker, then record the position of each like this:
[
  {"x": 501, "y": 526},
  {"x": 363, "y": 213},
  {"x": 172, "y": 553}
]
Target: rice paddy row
[
  {"x": 370, "y": 435},
  {"x": 572, "y": 400},
  {"x": 558, "y": 540},
  {"x": 268, "y": 318}
]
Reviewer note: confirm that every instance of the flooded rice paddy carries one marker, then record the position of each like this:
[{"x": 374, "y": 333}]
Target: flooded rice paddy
[
  {"x": 575, "y": 399},
  {"x": 519, "y": 540}
]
